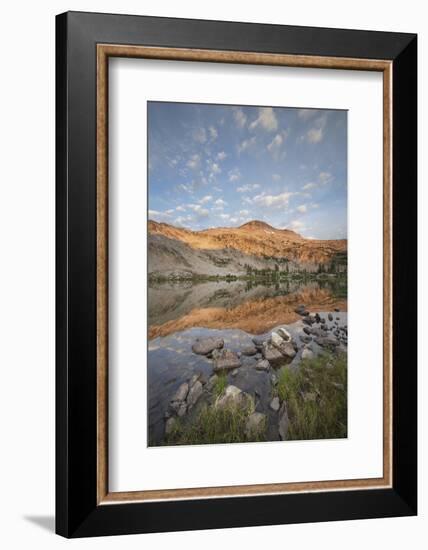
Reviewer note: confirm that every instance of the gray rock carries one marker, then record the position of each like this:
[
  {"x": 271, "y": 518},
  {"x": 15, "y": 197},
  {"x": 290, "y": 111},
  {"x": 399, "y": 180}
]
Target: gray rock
[
  {"x": 307, "y": 353},
  {"x": 274, "y": 379},
  {"x": 305, "y": 339},
  {"x": 211, "y": 382},
  {"x": 336, "y": 309},
  {"x": 204, "y": 346},
  {"x": 233, "y": 396},
  {"x": 193, "y": 380},
  {"x": 307, "y": 330},
  {"x": 256, "y": 425},
  {"x": 194, "y": 394},
  {"x": 178, "y": 407},
  {"x": 228, "y": 360},
  {"x": 288, "y": 350},
  {"x": 258, "y": 342},
  {"x": 274, "y": 404},
  {"x": 327, "y": 341},
  {"x": 276, "y": 339},
  {"x": 249, "y": 350},
  {"x": 330, "y": 317},
  {"x": 283, "y": 421},
  {"x": 181, "y": 393},
  {"x": 263, "y": 364},
  {"x": 234, "y": 372},
  {"x": 307, "y": 321},
  {"x": 272, "y": 354},
  {"x": 285, "y": 335}
]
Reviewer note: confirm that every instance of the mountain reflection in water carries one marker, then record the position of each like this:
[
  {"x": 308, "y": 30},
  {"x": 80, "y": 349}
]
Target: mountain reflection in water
[{"x": 254, "y": 308}]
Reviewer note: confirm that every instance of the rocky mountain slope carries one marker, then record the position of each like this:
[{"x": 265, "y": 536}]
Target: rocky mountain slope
[{"x": 233, "y": 250}]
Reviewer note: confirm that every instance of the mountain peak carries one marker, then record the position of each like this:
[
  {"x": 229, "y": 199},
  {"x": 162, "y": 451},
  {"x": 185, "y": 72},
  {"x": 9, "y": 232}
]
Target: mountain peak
[{"x": 256, "y": 224}]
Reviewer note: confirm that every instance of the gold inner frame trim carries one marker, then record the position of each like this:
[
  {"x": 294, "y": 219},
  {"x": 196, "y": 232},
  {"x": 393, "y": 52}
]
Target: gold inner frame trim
[{"x": 104, "y": 51}]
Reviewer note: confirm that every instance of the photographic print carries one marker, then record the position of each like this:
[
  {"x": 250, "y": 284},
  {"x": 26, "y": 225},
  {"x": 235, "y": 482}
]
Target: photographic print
[{"x": 247, "y": 274}]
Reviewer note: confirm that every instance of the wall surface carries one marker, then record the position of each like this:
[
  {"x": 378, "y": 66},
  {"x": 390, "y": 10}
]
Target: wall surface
[{"x": 27, "y": 272}]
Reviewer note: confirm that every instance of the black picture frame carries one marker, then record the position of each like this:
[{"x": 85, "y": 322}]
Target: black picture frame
[{"x": 77, "y": 511}]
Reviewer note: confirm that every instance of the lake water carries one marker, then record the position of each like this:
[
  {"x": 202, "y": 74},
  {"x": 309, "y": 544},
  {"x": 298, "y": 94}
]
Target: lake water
[{"x": 180, "y": 313}]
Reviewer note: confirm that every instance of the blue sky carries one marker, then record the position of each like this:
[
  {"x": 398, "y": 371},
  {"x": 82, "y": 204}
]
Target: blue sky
[{"x": 222, "y": 165}]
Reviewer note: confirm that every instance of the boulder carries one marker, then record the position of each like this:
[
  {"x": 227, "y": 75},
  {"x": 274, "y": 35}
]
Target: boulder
[
  {"x": 249, "y": 350},
  {"x": 234, "y": 372},
  {"x": 276, "y": 339},
  {"x": 181, "y": 393},
  {"x": 228, "y": 360},
  {"x": 272, "y": 354},
  {"x": 274, "y": 404},
  {"x": 263, "y": 364},
  {"x": 256, "y": 425},
  {"x": 194, "y": 394},
  {"x": 287, "y": 349},
  {"x": 305, "y": 339},
  {"x": 233, "y": 396},
  {"x": 178, "y": 407},
  {"x": 283, "y": 421},
  {"x": 204, "y": 346},
  {"x": 336, "y": 309},
  {"x": 308, "y": 331},
  {"x": 285, "y": 335},
  {"x": 330, "y": 317}
]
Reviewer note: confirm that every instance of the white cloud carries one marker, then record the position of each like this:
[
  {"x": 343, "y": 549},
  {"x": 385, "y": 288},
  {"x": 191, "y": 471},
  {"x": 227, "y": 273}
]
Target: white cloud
[
  {"x": 240, "y": 117},
  {"x": 193, "y": 162},
  {"x": 213, "y": 133},
  {"x": 197, "y": 209},
  {"x": 160, "y": 216},
  {"x": 276, "y": 177},
  {"x": 302, "y": 208},
  {"x": 246, "y": 144},
  {"x": 275, "y": 201},
  {"x": 200, "y": 135},
  {"x": 234, "y": 175},
  {"x": 266, "y": 119},
  {"x": 248, "y": 187},
  {"x": 314, "y": 135},
  {"x": 244, "y": 212},
  {"x": 205, "y": 199},
  {"x": 220, "y": 202},
  {"x": 221, "y": 156},
  {"x": 180, "y": 208},
  {"x": 309, "y": 186},
  {"x": 325, "y": 177},
  {"x": 215, "y": 168},
  {"x": 224, "y": 216},
  {"x": 297, "y": 225}
]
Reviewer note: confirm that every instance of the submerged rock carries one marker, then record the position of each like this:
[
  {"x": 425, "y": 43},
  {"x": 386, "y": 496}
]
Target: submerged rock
[
  {"x": 327, "y": 341},
  {"x": 227, "y": 360},
  {"x": 204, "y": 346}
]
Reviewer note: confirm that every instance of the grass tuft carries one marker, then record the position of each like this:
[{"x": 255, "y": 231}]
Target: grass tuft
[{"x": 316, "y": 397}]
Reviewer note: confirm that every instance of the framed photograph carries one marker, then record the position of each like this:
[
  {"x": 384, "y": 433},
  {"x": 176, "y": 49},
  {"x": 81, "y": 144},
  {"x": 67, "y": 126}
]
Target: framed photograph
[{"x": 236, "y": 274}]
